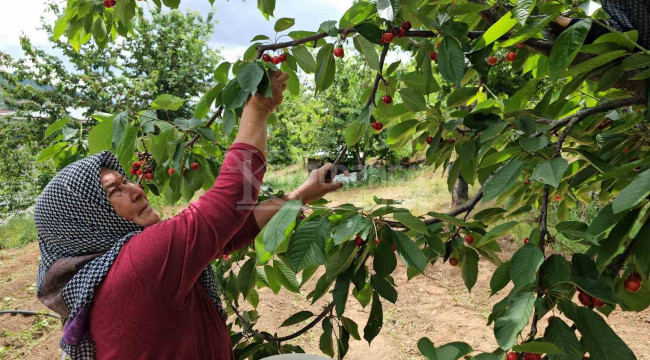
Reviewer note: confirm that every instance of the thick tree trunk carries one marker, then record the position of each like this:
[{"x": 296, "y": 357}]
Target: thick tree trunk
[{"x": 459, "y": 194}]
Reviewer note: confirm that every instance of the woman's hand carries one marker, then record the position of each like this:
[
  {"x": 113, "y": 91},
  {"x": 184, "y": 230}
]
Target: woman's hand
[
  {"x": 264, "y": 105},
  {"x": 315, "y": 186}
]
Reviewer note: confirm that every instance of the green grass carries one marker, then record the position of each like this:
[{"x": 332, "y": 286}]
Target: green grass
[{"x": 17, "y": 232}]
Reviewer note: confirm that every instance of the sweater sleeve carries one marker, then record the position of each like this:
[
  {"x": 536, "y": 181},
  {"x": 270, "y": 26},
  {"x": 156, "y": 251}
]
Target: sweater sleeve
[
  {"x": 244, "y": 236},
  {"x": 169, "y": 256}
]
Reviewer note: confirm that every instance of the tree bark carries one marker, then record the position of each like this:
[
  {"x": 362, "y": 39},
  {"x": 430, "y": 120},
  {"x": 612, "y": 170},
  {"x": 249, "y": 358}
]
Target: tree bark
[{"x": 459, "y": 194}]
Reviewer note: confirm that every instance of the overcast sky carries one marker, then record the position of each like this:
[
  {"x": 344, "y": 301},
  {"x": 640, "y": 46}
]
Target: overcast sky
[{"x": 237, "y": 21}]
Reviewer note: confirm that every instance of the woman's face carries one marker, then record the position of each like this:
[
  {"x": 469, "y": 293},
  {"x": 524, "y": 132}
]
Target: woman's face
[{"x": 128, "y": 200}]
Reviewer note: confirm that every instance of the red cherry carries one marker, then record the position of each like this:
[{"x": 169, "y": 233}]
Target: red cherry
[
  {"x": 433, "y": 55},
  {"x": 395, "y": 31},
  {"x": 401, "y": 33},
  {"x": 429, "y": 139},
  {"x": 226, "y": 257},
  {"x": 275, "y": 60},
  {"x": 453, "y": 261},
  {"x": 438, "y": 44},
  {"x": 377, "y": 125},
  {"x": 377, "y": 241},
  {"x": 526, "y": 240},
  {"x": 558, "y": 197},
  {"x": 635, "y": 276},
  {"x": 492, "y": 60},
  {"x": 358, "y": 240},
  {"x": 149, "y": 176},
  {"x": 338, "y": 52},
  {"x": 171, "y": 171},
  {"x": 632, "y": 284},
  {"x": 625, "y": 150},
  {"x": 266, "y": 57},
  {"x": 598, "y": 303},
  {"x": 406, "y": 25},
  {"x": 387, "y": 99},
  {"x": 109, "y": 3},
  {"x": 530, "y": 356},
  {"x": 139, "y": 172},
  {"x": 520, "y": 46},
  {"x": 512, "y": 356},
  {"x": 132, "y": 171},
  {"x": 452, "y": 140},
  {"x": 527, "y": 181},
  {"x": 283, "y": 57},
  {"x": 387, "y": 37},
  {"x": 135, "y": 165},
  {"x": 510, "y": 57},
  {"x": 184, "y": 172},
  {"x": 394, "y": 248},
  {"x": 194, "y": 165},
  {"x": 469, "y": 239},
  {"x": 585, "y": 299}
]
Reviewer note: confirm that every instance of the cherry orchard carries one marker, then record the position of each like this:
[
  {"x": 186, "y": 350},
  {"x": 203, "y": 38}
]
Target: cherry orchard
[{"x": 545, "y": 142}]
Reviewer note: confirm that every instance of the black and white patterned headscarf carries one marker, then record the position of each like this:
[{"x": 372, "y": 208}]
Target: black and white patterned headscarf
[
  {"x": 80, "y": 236},
  {"x": 628, "y": 15}
]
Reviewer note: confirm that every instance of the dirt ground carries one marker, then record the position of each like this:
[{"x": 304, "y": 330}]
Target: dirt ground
[{"x": 436, "y": 305}]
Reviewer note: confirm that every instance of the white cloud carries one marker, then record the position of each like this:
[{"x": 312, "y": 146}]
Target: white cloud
[{"x": 18, "y": 17}]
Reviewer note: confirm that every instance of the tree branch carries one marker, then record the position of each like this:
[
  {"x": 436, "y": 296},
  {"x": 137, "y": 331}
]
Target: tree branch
[
  {"x": 213, "y": 118},
  {"x": 29, "y": 313}
]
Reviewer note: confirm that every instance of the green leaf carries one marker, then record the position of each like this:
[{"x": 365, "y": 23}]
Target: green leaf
[
  {"x": 167, "y": 102},
  {"x": 534, "y": 143},
  {"x": 307, "y": 245},
  {"x": 524, "y": 265},
  {"x": 99, "y": 29},
  {"x": 274, "y": 231},
  {"x": 605, "y": 219},
  {"x": 221, "y": 74},
  {"x": 351, "y": 327},
  {"x": 125, "y": 10},
  {"x": 349, "y": 228},
  {"x": 287, "y": 277},
  {"x": 469, "y": 268},
  {"x": 551, "y": 172},
  {"x": 60, "y": 26},
  {"x": 353, "y": 133},
  {"x": 304, "y": 58},
  {"x": 340, "y": 260},
  {"x": 100, "y": 137},
  {"x": 326, "y": 68},
  {"x": 127, "y": 146},
  {"x": 368, "y": 51},
  {"x": 508, "y": 326},
  {"x": 326, "y": 345},
  {"x": 384, "y": 261},
  {"x": 411, "y": 254},
  {"x": 597, "y": 288},
  {"x": 522, "y": 10},
  {"x": 375, "y": 320},
  {"x": 500, "y": 278},
  {"x": 297, "y": 318},
  {"x": 163, "y": 145},
  {"x": 636, "y": 61},
  {"x": 369, "y": 31},
  {"x": 632, "y": 194},
  {"x": 51, "y": 151},
  {"x": 599, "y": 339},
  {"x": 538, "y": 347},
  {"x": 205, "y": 103},
  {"x": 451, "y": 61},
  {"x": 410, "y": 221},
  {"x": 383, "y": 288},
  {"x": 266, "y": 7},
  {"x": 233, "y": 96},
  {"x": 566, "y": 47},
  {"x": 56, "y": 126},
  {"x": 427, "y": 349},
  {"x": 593, "y": 63},
  {"x": 498, "y": 29},
  {"x": 359, "y": 12},
  {"x": 610, "y": 77},
  {"x": 283, "y": 24},
  {"x": 560, "y": 334},
  {"x": 386, "y": 10},
  {"x": 469, "y": 8},
  {"x": 246, "y": 277},
  {"x": 461, "y": 95},
  {"x": 249, "y": 76},
  {"x": 504, "y": 179},
  {"x": 556, "y": 270},
  {"x": 413, "y": 100}
]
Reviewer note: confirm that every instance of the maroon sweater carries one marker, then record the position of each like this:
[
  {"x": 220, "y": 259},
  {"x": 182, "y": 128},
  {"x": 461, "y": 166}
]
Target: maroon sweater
[{"x": 151, "y": 304}]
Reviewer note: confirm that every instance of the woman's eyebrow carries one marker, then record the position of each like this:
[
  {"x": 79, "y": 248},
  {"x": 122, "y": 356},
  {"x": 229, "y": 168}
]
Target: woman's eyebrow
[{"x": 111, "y": 184}]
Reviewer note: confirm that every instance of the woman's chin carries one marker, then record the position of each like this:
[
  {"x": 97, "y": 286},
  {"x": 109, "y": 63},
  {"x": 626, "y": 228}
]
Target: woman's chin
[{"x": 148, "y": 217}]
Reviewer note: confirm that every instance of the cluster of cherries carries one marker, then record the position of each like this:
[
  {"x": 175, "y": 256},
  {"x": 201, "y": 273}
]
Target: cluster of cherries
[
  {"x": 137, "y": 168},
  {"x": 527, "y": 356},
  {"x": 110, "y": 3},
  {"x": 275, "y": 59},
  {"x": 396, "y": 32},
  {"x": 588, "y": 300},
  {"x": 358, "y": 240},
  {"x": 605, "y": 124},
  {"x": 430, "y": 140}
]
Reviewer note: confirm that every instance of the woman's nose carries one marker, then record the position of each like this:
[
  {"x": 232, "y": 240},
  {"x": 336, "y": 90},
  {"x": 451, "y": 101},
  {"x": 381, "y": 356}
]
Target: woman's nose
[{"x": 137, "y": 192}]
